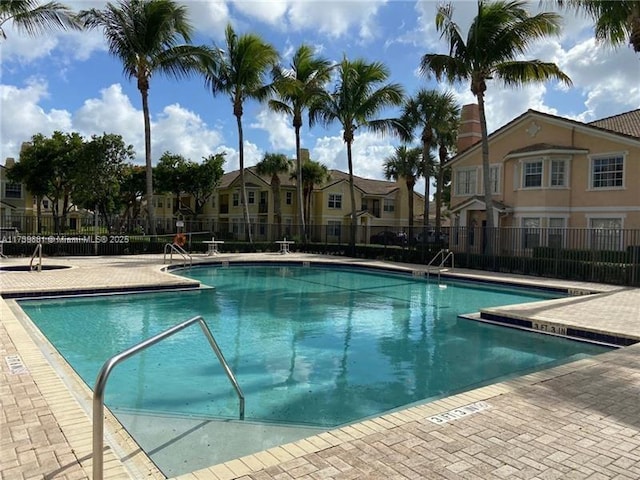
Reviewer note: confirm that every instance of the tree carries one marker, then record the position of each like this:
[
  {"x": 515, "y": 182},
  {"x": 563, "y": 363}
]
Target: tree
[
  {"x": 435, "y": 114},
  {"x": 498, "y": 35},
  {"x": 239, "y": 71},
  {"x": 33, "y": 18},
  {"x": 144, "y": 35},
  {"x": 171, "y": 175},
  {"x": 202, "y": 180},
  {"x": 99, "y": 173},
  {"x": 405, "y": 163},
  {"x": 313, "y": 173},
  {"x": 48, "y": 165},
  {"x": 273, "y": 164},
  {"x": 358, "y": 97},
  {"x": 616, "y": 22},
  {"x": 297, "y": 88},
  {"x": 132, "y": 187}
]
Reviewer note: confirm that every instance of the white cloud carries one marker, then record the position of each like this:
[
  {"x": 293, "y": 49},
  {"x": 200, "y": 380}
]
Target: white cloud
[
  {"x": 23, "y": 117},
  {"x": 278, "y": 127},
  {"x": 271, "y": 11},
  {"x": 252, "y": 155}
]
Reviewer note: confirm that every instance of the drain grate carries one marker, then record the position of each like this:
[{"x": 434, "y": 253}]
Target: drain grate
[{"x": 16, "y": 367}]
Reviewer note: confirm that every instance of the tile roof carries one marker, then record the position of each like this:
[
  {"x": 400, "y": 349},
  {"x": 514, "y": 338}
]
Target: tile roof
[
  {"x": 627, "y": 123},
  {"x": 538, "y": 147}
]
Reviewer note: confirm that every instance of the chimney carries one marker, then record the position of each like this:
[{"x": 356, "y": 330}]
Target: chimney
[
  {"x": 469, "y": 132},
  {"x": 304, "y": 155},
  {"x": 9, "y": 162}
]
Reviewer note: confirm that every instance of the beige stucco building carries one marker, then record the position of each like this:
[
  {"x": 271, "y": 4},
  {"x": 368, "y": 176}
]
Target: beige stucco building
[{"x": 549, "y": 174}]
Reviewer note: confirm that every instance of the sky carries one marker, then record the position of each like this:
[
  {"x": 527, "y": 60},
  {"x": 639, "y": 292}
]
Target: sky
[{"x": 67, "y": 81}]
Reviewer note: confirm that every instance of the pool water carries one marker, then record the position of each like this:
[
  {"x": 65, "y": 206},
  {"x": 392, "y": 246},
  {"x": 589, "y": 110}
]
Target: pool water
[{"x": 310, "y": 346}]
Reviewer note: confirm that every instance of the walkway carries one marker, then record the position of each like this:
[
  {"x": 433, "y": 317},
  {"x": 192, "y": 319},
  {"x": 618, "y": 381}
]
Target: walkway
[{"x": 580, "y": 420}]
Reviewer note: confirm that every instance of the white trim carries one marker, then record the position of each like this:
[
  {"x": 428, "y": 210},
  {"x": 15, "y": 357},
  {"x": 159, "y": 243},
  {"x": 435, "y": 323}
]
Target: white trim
[
  {"x": 612, "y": 209},
  {"x": 600, "y": 155}
]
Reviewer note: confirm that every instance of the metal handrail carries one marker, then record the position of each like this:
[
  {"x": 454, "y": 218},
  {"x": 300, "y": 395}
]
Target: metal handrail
[
  {"x": 38, "y": 252},
  {"x": 172, "y": 247},
  {"x": 103, "y": 375},
  {"x": 445, "y": 254}
]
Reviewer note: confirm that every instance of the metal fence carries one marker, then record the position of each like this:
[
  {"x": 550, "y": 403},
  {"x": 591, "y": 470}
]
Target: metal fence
[{"x": 599, "y": 255}]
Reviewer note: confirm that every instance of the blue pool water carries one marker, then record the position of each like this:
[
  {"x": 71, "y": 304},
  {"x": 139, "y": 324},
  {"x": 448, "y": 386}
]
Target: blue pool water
[{"x": 313, "y": 346}]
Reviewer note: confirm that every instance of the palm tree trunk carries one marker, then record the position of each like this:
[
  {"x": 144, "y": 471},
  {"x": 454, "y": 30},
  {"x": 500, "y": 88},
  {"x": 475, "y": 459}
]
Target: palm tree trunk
[
  {"x": 352, "y": 190},
  {"x": 151, "y": 214},
  {"x": 425, "y": 173},
  {"x": 301, "y": 222},
  {"x": 243, "y": 193},
  {"x": 486, "y": 176},
  {"x": 277, "y": 209},
  {"x": 410, "y": 185},
  {"x": 442, "y": 153}
]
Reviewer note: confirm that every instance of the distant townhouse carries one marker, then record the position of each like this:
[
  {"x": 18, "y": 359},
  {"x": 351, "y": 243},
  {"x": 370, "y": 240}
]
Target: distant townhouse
[{"x": 550, "y": 175}]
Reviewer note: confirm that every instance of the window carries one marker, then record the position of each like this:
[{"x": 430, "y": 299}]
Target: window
[
  {"x": 558, "y": 173},
  {"x": 251, "y": 198},
  {"x": 531, "y": 227},
  {"x": 466, "y": 182},
  {"x": 335, "y": 200},
  {"x": 389, "y": 205},
  {"x": 289, "y": 198},
  {"x": 334, "y": 228},
  {"x": 606, "y": 234},
  {"x": 607, "y": 172},
  {"x": 236, "y": 199},
  {"x": 556, "y": 232},
  {"x": 494, "y": 178},
  {"x": 532, "y": 174},
  {"x": 13, "y": 190},
  {"x": 213, "y": 202},
  {"x": 45, "y": 204}
]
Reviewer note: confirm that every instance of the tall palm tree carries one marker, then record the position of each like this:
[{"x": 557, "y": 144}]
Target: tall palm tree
[
  {"x": 500, "y": 33},
  {"x": 274, "y": 164},
  {"x": 296, "y": 89},
  {"x": 360, "y": 94},
  {"x": 434, "y": 114},
  {"x": 447, "y": 137},
  {"x": 616, "y": 21},
  {"x": 405, "y": 163},
  {"x": 239, "y": 71},
  {"x": 35, "y": 18},
  {"x": 145, "y": 36}
]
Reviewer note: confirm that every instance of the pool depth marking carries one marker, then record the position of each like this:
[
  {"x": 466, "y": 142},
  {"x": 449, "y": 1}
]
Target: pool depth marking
[
  {"x": 459, "y": 412},
  {"x": 16, "y": 367}
]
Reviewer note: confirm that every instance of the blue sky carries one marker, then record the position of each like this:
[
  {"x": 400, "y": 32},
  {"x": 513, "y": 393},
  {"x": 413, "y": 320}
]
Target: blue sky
[{"x": 69, "y": 82}]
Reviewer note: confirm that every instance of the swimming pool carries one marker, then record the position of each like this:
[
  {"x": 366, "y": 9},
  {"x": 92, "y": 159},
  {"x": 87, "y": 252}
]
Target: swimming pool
[{"x": 310, "y": 346}]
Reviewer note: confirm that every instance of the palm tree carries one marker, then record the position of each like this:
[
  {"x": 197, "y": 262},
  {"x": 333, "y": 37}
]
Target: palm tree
[
  {"x": 435, "y": 115},
  {"x": 356, "y": 100},
  {"x": 313, "y": 173},
  {"x": 34, "y": 19},
  {"x": 405, "y": 163},
  {"x": 145, "y": 36},
  {"x": 616, "y": 21},
  {"x": 296, "y": 89},
  {"x": 274, "y": 164},
  {"x": 498, "y": 35},
  {"x": 239, "y": 71}
]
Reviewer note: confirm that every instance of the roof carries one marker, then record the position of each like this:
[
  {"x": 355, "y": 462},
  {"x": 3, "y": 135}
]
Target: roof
[
  {"x": 543, "y": 147},
  {"x": 627, "y": 123}
]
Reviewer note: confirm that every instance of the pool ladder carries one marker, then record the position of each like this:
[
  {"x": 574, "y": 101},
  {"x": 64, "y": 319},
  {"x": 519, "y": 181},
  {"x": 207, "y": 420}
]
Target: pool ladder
[
  {"x": 37, "y": 253},
  {"x": 172, "y": 247},
  {"x": 109, "y": 365},
  {"x": 444, "y": 255}
]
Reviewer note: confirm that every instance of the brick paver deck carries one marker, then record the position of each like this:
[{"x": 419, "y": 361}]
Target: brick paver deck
[{"x": 580, "y": 420}]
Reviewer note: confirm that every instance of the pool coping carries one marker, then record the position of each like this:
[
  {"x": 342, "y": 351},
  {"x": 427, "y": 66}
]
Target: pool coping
[{"x": 70, "y": 419}]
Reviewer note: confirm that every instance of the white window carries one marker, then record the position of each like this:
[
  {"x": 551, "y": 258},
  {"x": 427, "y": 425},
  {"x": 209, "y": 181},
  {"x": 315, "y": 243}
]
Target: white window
[
  {"x": 251, "y": 198},
  {"x": 606, "y": 233},
  {"x": 558, "y": 174},
  {"x": 236, "y": 199},
  {"x": 556, "y": 232},
  {"x": 335, "y": 200},
  {"x": 466, "y": 182},
  {"x": 389, "y": 205},
  {"x": 334, "y": 228},
  {"x": 289, "y": 198},
  {"x": 607, "y": 172},
  {"x": 531, "y": 229},
  {"x": 13, "y": 190},
  {"x": 494, "y": 179},
  {"x": 532, "y": 174}
]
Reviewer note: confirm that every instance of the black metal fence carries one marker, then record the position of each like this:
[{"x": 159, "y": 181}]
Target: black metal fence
[{"x": 598, "y": 255}]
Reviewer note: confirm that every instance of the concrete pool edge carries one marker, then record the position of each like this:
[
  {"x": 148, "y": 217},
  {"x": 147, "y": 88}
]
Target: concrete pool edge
[{"x": 346, "y": 434}]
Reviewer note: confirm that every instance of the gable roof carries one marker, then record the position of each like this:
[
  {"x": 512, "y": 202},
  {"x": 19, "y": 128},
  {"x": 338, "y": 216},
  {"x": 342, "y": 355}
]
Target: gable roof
[
  {"x": 365, "y": 185},
  {"x": 623, "y": 126},
  {"x": 627, "y": 123}
]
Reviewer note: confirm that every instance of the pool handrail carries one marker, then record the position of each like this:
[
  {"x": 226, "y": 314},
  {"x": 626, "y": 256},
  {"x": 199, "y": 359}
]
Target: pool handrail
[
  {"x": 36, "y": 253},
  {"x": 173, "y": 247},
  {"x": 445, "y": 254},
  {"x": 103, "y": 375}
]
